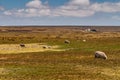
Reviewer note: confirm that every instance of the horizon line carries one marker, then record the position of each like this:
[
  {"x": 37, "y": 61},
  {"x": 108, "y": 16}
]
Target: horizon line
[{"x": 59, "y": 25}]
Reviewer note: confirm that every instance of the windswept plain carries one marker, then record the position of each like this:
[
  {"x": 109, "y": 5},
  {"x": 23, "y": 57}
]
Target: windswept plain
[{"x": 61, "y": 61}]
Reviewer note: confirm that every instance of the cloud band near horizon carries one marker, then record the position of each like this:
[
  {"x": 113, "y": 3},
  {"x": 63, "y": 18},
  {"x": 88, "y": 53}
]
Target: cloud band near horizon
[{"x": 73, "y": 8}]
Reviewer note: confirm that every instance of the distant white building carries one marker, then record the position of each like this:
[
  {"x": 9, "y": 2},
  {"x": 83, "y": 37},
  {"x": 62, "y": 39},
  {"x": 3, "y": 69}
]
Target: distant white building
[
  {"x": 91, "y": 30},
  {"x": 88, "y": 30}
]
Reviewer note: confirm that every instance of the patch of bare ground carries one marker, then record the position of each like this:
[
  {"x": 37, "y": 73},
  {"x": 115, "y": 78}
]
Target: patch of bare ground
[{"x": 33, "y": 47}]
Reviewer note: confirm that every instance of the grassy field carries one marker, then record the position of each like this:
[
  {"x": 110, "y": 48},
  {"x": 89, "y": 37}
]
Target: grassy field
[
  {"x": 30, "y": 47},
  {"x": 76, "y": 63}
]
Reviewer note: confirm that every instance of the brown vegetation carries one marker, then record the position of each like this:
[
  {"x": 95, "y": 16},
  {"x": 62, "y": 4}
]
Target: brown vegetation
[{"x": 76, "y": 63}]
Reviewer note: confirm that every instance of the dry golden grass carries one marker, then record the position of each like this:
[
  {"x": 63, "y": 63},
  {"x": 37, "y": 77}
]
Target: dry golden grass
[
  {"x": 32, "y": 47},
  {"x": 76, "y": 63}
]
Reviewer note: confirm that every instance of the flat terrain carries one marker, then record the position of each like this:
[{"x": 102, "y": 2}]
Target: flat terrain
[
  {"x": 31, "y": 47},
  {"x": 74, "y": 61}
]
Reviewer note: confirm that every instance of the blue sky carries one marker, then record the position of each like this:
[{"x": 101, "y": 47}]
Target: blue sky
[{"x": 60, "y": 12}]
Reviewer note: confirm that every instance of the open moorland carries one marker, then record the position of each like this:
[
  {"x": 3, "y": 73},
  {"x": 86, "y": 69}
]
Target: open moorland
[{"x": 45, "y": 56}]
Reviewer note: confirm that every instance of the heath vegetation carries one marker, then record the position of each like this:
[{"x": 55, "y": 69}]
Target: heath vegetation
[{"x": 73, "y": 61}]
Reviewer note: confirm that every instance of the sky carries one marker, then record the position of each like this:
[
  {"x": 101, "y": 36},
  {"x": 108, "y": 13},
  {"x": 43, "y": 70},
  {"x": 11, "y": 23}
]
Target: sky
[{"x": 60, "y": 12}]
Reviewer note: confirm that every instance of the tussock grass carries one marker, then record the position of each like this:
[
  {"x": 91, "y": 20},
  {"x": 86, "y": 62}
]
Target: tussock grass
[
  {"x": 76, "y": 63},
  {"x": 73, "y": 64}
]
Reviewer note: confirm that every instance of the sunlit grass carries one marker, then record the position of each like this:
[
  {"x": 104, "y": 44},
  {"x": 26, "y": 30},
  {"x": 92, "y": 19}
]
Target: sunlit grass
[
  {"x": 33, "y": 47},
  {"x": 76, "y": 63}
]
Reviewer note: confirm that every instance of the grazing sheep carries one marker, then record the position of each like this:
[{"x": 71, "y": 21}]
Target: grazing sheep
[
  {"x": 22, "y": 45},
  {"x": 67, "y": 41},
  {"x": 49, "y": 47},
  {"x": 45, "y": 47},
  {"x": 99, "y": 54},
  {"x": 93, "y": 30},
  {"x": 84, "y": 40}
]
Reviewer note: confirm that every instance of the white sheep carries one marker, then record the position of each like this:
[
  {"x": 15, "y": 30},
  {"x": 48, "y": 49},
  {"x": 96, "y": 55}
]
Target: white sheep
[
  {"x": 22, "y": 45},
  {"x": 45, "y": 47},
  {"x": 67, "y": 41},
  {"x": 84, "y": 40},
  {"x": 49, "y": 47},
  {"x": 100, "y": 54}
]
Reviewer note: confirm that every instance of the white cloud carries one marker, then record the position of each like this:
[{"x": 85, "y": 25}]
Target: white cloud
[
  {"x": 1, "y": 8},
  {"x": 73, "y": 13},
  {"x": 79, "y": 2},
  {"x": 106, "y": 7},
  {"x": 20, "y": 10},
  {"x": 74, "y": 8},
  {"x": 7, "y": 13},
  {"x": 34, "y": 8},
  {"x": 83, "y": 8},
  {"x": 34, "y": 4}
]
